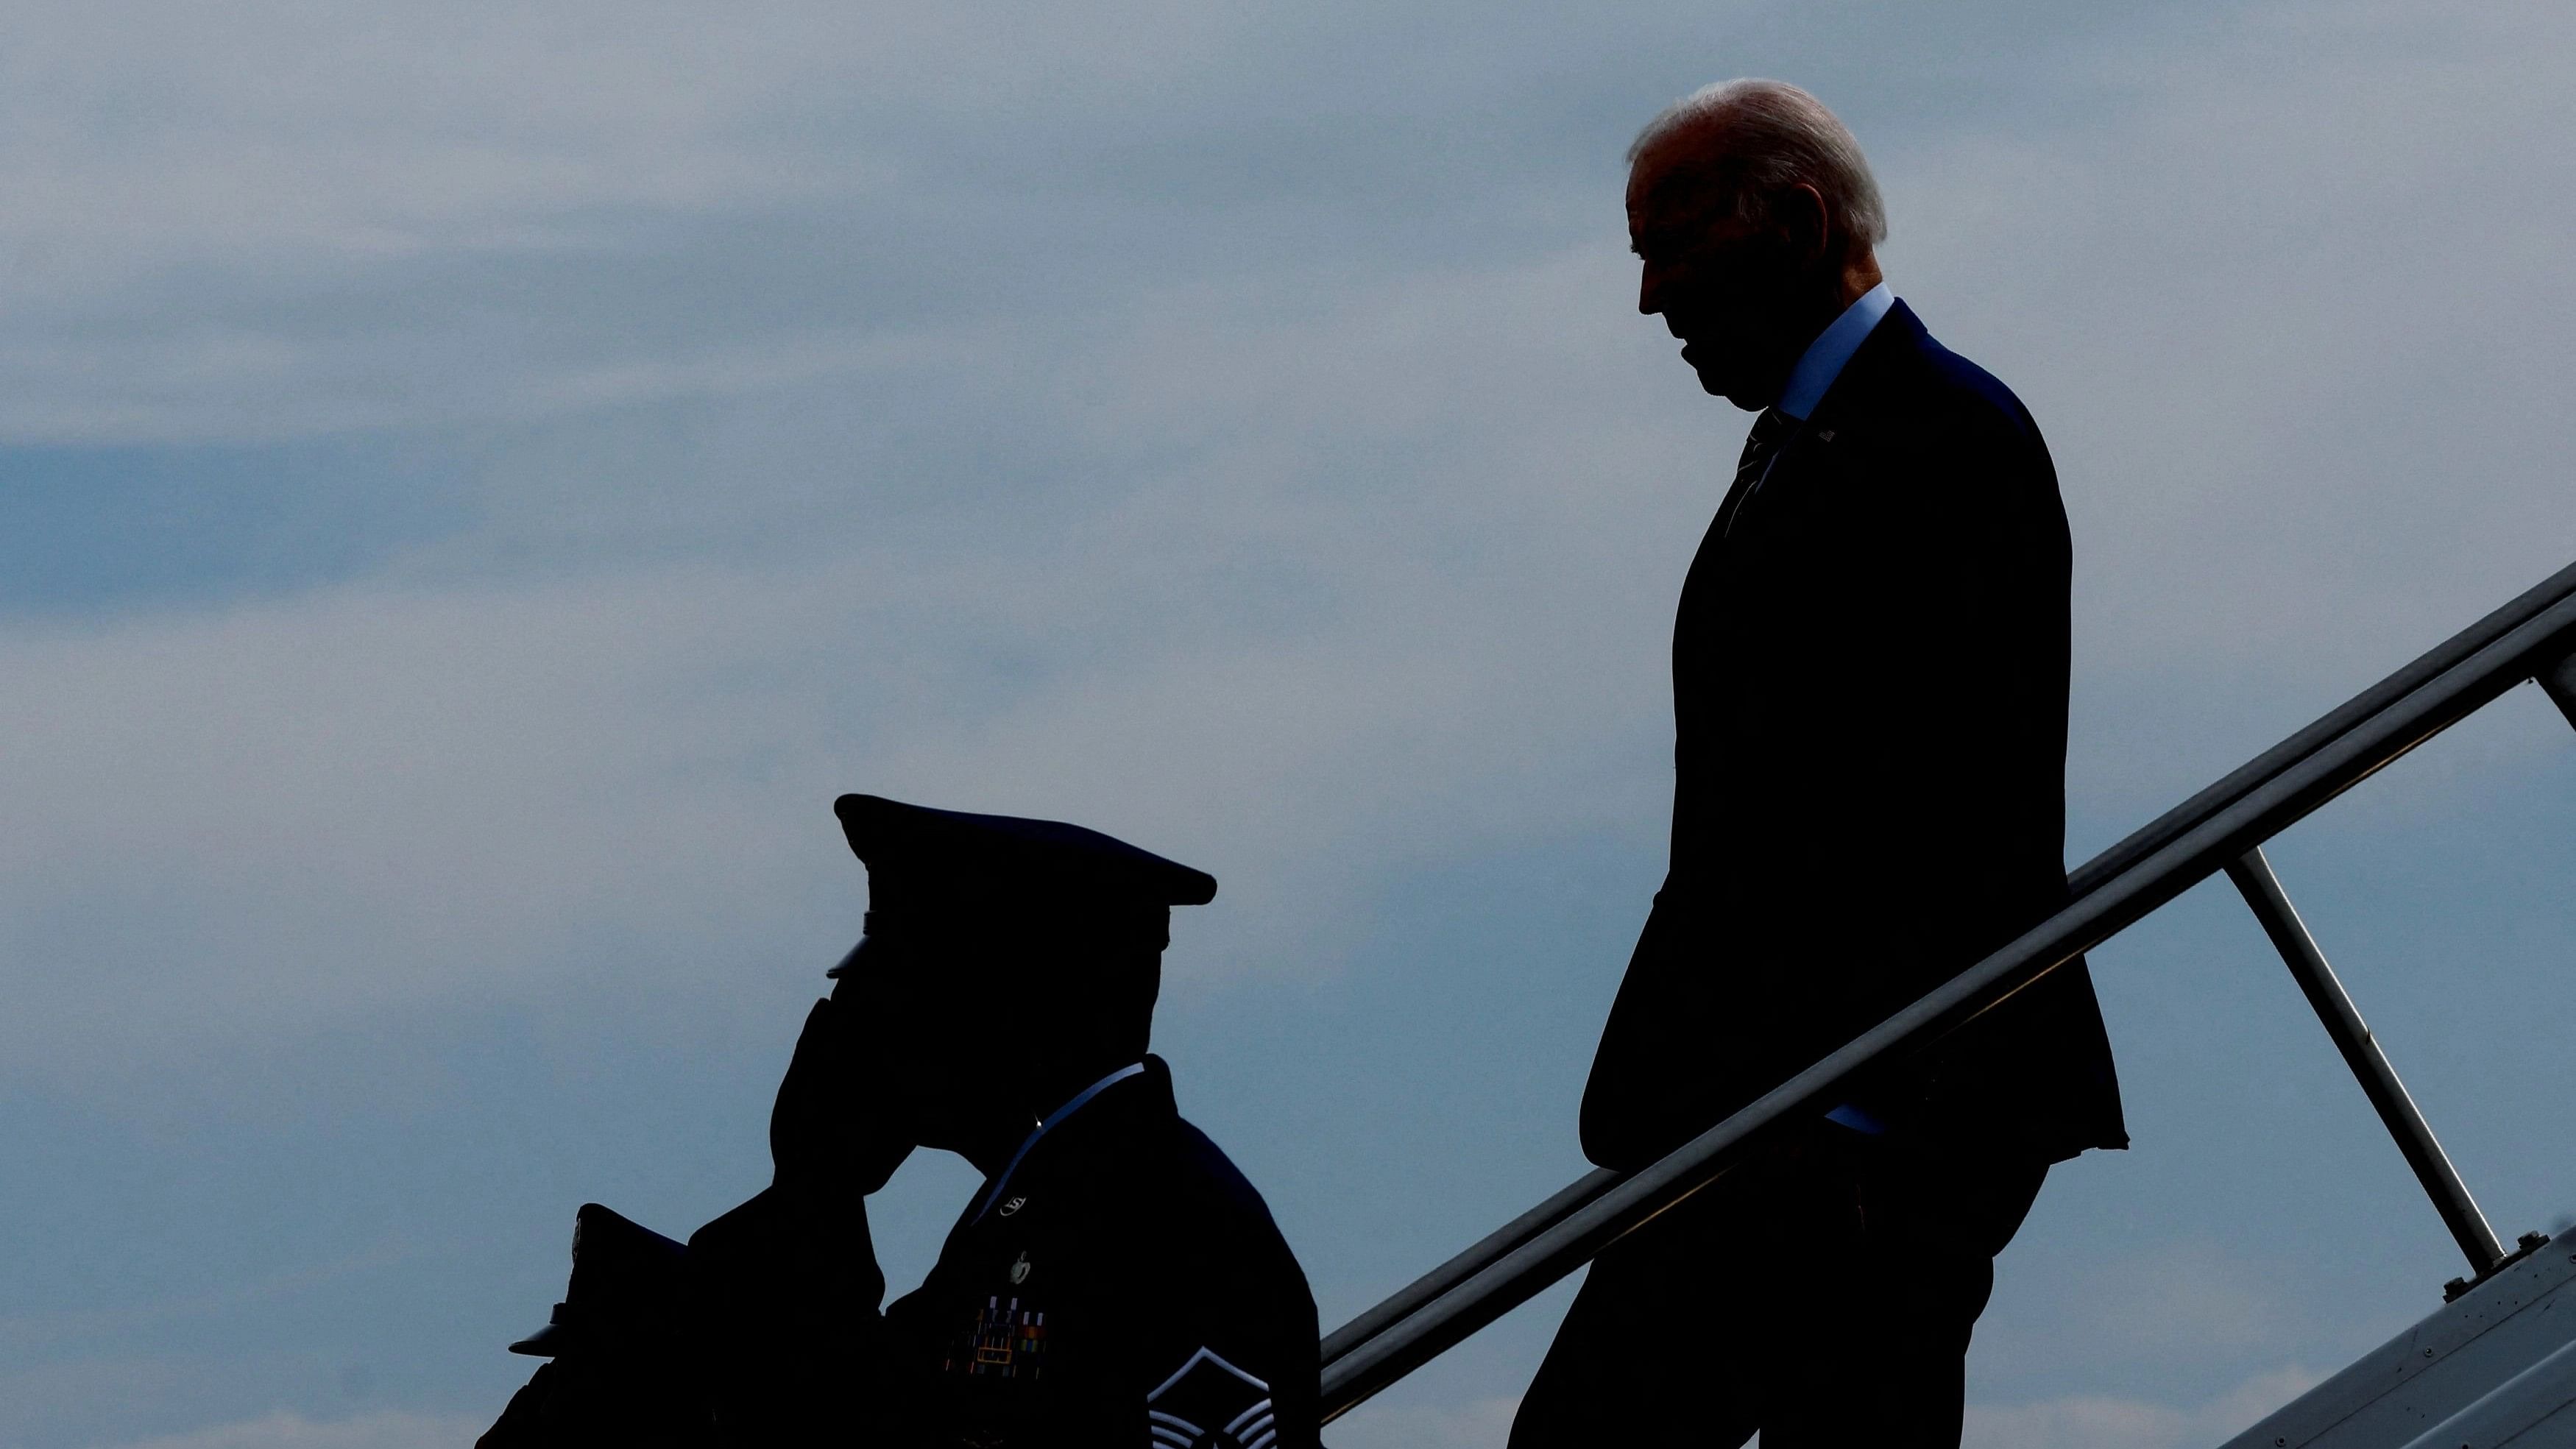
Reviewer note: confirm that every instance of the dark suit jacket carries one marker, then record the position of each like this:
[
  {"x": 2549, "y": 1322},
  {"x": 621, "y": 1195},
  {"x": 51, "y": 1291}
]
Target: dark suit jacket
[{"x": 1869, "y": 700}]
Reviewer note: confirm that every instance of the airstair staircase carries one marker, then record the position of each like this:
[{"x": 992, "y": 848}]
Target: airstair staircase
[{"x": 2495, "y": 1366}]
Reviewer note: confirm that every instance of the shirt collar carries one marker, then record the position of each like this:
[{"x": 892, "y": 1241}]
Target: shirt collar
[
  {"x": 1823, "y": 360},
  {"x": 1047, "y": 1124}
]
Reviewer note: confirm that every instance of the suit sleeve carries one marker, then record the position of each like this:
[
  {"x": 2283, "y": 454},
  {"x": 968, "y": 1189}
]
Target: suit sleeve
[
  {"x": 1966, "y": 700},
  {"x": 1634, "y": 1108},
  {"x": 1959, "y": 740}
]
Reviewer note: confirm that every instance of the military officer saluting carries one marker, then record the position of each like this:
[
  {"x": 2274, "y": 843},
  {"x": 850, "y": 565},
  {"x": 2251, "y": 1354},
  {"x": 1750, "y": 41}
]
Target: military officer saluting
[{"x": 1114, "y": 1281}]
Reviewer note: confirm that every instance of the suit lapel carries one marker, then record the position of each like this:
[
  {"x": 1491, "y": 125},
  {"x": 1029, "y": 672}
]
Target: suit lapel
[{"x": 1849, "y": 402}]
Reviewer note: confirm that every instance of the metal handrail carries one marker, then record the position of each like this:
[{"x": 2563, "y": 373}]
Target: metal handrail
[
  {"x": 1458, "y": 1269},
  {"x": 2447, "y": 655},
  {"x": 2186, "y": 845}
]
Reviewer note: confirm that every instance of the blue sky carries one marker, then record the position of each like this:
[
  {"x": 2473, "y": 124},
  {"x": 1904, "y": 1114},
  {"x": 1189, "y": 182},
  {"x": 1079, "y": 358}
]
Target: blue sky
[{"x": 475, "y": 484}]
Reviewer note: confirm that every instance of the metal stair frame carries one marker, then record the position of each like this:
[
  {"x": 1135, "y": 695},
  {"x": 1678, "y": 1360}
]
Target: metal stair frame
[
  {"x": 2511, "y": 1330},
  {"x": 2222, "y": 828}
]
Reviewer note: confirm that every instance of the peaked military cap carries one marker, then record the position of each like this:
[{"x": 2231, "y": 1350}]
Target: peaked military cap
[
  {"x": 924, "y": 863},
  {"x": 625, "y": 1284}
]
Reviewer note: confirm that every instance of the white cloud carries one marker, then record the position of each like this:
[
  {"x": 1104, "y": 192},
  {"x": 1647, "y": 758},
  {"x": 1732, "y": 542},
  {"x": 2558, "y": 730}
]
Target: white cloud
[
  {"x": 1304, "y": 584},
  {"x": 2291, "y": 309},
  {"x": 170, "y": 135},
  {"x": 2183, "y": 1297},
  {"x": 1480, "y": 1424},
  {"x": 2075, "y": 1421},
  {"x": 2083, "y": 1421},
  {"x": 286, "y": 1430},
  {"x": 376, "y": 797},
  {"x": 297, "y": 219},
  {"x": 840, "y": 444}
]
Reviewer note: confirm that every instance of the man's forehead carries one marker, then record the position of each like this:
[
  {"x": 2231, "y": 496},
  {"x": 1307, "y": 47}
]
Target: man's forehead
[
  {"x": 1666, "y": 211},
  {"x": 1682, "y": 167}
]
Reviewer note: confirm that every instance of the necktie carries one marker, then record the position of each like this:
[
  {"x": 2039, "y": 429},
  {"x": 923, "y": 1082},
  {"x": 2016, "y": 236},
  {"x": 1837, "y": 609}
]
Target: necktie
[{"x": 1770, "y": 431}]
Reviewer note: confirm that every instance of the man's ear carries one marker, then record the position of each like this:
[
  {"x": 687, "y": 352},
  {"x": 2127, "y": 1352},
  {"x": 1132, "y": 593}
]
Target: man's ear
[{"x": 1806, "y": 224}]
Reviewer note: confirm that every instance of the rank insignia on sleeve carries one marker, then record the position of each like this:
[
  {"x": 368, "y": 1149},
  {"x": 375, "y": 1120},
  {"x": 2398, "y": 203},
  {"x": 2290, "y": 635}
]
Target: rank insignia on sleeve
[
  {"x": 1210, "y": 1404},
  {"x": 1008, "y": 1342}
]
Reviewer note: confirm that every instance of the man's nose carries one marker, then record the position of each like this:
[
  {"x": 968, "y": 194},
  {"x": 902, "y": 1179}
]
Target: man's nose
[{"x": 1649, "y": 291}]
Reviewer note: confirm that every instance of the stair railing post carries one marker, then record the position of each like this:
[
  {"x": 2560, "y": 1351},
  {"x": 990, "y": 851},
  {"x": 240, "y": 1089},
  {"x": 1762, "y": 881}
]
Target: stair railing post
[
  {"x": 2352, "y": 1037},
  {"x": 2558, "y": 681}
]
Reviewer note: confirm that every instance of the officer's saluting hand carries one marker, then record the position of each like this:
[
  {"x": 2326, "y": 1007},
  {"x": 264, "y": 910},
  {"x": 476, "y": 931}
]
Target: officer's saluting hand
[{"x": 783, "y": 1329}]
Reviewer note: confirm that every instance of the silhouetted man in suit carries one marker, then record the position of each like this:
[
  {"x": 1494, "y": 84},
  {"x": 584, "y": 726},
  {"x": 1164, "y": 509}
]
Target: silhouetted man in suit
[{"x": 1869, "y": 697}]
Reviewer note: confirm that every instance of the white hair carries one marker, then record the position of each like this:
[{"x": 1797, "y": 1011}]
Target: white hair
[{"x": 1776, "y": 137}]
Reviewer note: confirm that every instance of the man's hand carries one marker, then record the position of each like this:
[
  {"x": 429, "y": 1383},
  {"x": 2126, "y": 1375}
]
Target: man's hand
[{"x": 833, "y": 1137}]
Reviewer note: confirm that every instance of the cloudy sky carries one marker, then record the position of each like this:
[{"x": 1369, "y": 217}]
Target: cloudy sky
[{"x": 477, "y": 480}]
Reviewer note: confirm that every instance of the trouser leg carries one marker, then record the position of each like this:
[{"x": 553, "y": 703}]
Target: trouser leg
[
  {"x": 1825, "y": 1294},
  {"x": 1887, "y": 1368},
  {"x": 1676, "y": 1335}
]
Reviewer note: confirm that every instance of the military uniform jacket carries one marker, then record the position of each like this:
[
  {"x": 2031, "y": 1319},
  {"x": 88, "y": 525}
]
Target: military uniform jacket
[{"x": 1119, "y": 1284}]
